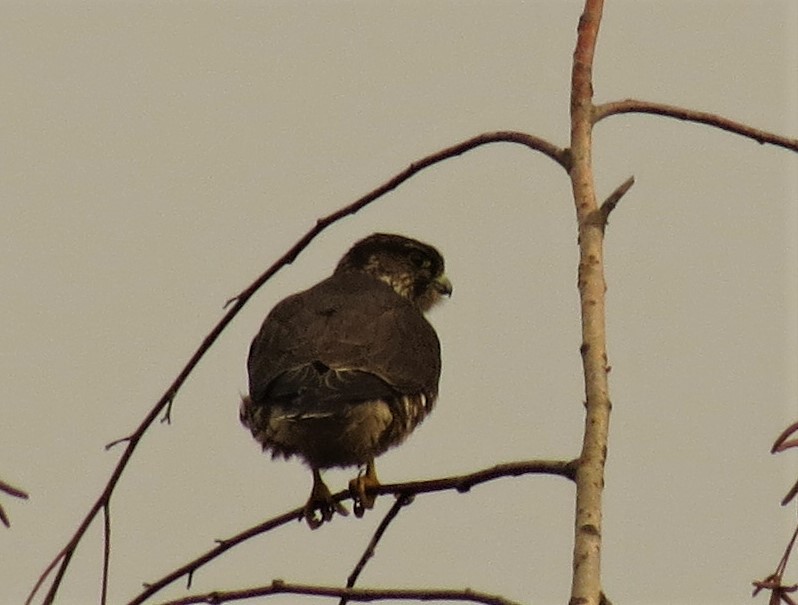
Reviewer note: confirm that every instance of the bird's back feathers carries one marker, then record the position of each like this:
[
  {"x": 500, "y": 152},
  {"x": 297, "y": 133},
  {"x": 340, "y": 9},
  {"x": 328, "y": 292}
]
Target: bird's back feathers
[{"x": 349, "y": 321}]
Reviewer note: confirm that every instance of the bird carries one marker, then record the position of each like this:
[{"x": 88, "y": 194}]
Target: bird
[{"x": 343, "y": 371}]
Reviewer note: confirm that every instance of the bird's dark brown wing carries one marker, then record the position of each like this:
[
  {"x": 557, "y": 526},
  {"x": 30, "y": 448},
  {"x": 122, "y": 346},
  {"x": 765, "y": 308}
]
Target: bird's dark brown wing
[{"x": 368, "y": 336}]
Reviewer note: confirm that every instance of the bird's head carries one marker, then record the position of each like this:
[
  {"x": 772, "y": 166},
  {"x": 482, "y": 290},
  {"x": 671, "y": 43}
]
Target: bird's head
[{"x": 413, "y": 269}]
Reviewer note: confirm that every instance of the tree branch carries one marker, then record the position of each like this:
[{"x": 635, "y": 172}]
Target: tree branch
[
  {"x": 106, "y": 552},
  {"x": 784, "y": 442},
  {"x": 612, "y": 200},
  {"x": 586, "y": 580},
  {"x": 400, "y": 502},
  {"x": 710, "y": 119},
  {"x": 165, "y": 402},
  {"x": 559, "y": 155},
  {"x": 11, "y": 491},
  {"x": 353, "y": 594},
  {"x": 460, "y": 483}
]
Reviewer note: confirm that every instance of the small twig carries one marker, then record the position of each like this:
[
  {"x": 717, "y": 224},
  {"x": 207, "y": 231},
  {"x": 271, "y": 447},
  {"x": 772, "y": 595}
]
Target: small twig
[
  {"x": 354, "y": 594},
  {"x": 116, "y": 442},
  {"x": 167, "y": 413},
  {"x": 460, "y": 483},
  {"x": 783, "y": 442},
  {"x": 11, "y": 491},
  {"x": 401, "y": 501},
  {"x": 609, "y": 204},
  {"x": 790, "y": 494},
  {"x": 689, "y": 115},
  {"x": 106, "y": 551}
]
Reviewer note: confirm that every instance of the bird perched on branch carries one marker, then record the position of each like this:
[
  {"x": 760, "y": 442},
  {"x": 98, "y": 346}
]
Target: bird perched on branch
[{"x": 345, "y": 370}]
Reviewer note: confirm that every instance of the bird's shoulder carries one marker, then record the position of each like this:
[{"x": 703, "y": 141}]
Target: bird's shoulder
[
  {"x": 346, "y": 291},
  {"x": 348, "y": 307}
]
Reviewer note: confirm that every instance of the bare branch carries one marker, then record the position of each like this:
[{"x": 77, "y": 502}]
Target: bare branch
[
  {"x": 790, "y": 494},
  {"x": 11, "y": 491},
  {"x": 222, "y": 546},
  {"x": 609, "y": 204},
  {"x": 353, "y": 594},
  {"x": 680, "y": 113},
  {"x": 784, "y": 442},
  {"x": 401, "y": 501},
  {"x": 460, "y": 483},
  {"x": 463, "y": 483},
  {"x": 106, "y": 552},
  {"x": 586, "y": 563},
  {"x": 116, "y": 442},
  {"x": 64, "y": 557},
  {"x": 236, "y": 303}
]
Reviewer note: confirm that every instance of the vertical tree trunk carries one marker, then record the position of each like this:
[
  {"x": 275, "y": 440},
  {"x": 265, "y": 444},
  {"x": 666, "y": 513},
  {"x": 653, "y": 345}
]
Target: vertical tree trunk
[{"x": 586, "y": 583}]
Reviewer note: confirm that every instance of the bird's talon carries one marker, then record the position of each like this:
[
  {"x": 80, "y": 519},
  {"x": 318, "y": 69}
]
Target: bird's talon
[
  {"x": 313, "y": 521},
  {"x": 359, "y": 510},
  {"x": 321, "y": 501},
  {"x": 358, "y": 487}
]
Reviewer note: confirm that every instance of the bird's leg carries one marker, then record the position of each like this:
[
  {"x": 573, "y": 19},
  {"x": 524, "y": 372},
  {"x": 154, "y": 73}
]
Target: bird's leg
[
  {"x": 359, "y": 485},
  {"x": 321, "y": 500}
]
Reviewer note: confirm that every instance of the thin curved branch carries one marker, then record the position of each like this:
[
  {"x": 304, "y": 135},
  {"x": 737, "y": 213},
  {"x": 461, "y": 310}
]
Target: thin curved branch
[
  {"x": 783, "y": 441},
  {"x": 680, "y": 113},
  {"x": 63, "y": 557},
  {"x": 460, "y": 483},
  {"x": 465, "y": 595},
  {"x": 222, "y": 546},
  {"x": 559, "y": 155}
]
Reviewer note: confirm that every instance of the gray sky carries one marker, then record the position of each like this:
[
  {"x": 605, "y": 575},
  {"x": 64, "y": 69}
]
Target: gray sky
[{"x": 158, "y": 156}]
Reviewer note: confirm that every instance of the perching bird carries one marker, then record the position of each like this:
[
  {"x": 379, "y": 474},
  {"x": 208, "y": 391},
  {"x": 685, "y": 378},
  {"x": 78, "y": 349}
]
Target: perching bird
[{"x": 345, "y": 370}]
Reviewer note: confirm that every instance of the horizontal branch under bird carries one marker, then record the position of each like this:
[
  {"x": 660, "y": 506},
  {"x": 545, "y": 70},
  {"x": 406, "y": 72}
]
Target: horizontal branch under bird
[
  {"x": 460, "y": 483},
  {"x": 465, "y": 595}
]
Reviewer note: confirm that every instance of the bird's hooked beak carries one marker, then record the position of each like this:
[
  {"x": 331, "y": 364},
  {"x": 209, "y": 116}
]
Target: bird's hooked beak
[{"x": 443, "y": 285}]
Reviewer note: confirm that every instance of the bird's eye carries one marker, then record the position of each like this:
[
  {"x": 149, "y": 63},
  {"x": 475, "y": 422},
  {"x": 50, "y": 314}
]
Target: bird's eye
[{"x": 419, "y": 260}]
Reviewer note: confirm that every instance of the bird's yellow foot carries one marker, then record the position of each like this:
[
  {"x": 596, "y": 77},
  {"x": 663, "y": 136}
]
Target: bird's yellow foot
[
  {"x": 322, "y": 502},
  {"x": 358, "y": 487}
]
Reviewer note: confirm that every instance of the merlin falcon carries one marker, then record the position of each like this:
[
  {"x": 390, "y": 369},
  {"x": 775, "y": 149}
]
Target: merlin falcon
[{"x": 345, "y": 370}]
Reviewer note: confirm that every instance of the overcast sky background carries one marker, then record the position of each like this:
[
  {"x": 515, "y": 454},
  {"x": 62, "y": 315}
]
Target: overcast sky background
[{"x": 158, "y": 156}]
